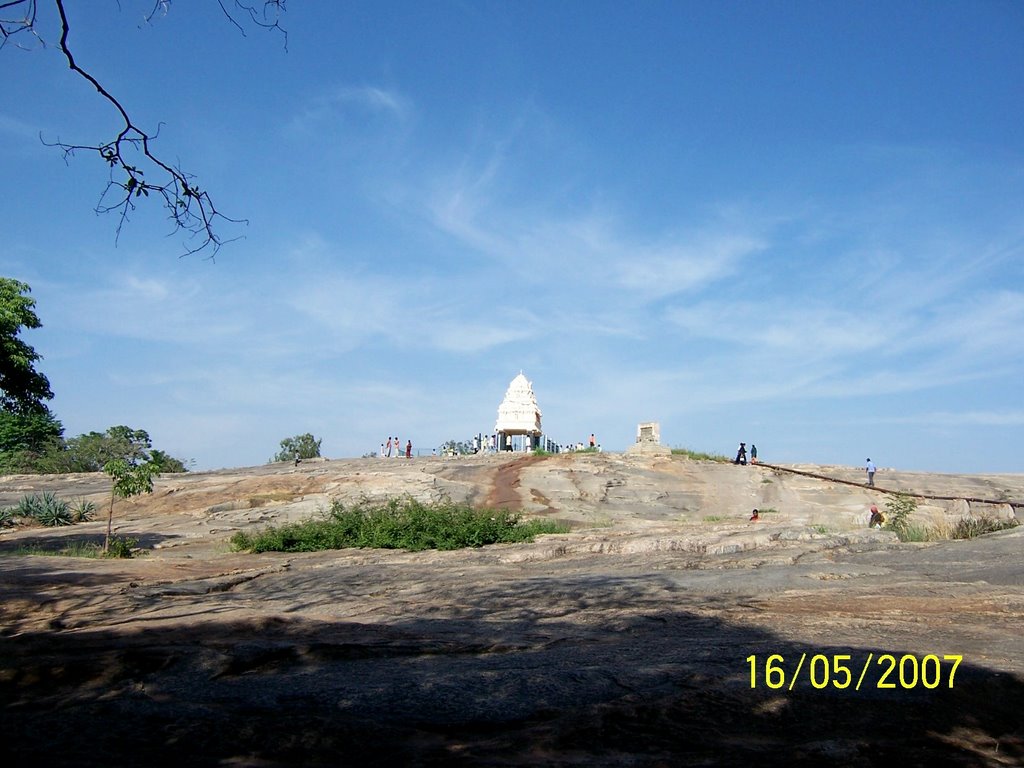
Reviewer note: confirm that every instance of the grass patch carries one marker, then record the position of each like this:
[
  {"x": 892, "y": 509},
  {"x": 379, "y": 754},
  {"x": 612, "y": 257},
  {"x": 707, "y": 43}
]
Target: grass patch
[
  {"x": 71, "y": 549},
  {"x": 120, "y": 547},
  {"x": 712, "y": 518},
  {"x": 397, "y": 524},
  {"x": 822, "y": 529},
  {"x": 969, "y": 527},
  {"x": 262, "y": 499},
  {"x": 915, "y": 532},
  {"x": 700, "y": 455}
]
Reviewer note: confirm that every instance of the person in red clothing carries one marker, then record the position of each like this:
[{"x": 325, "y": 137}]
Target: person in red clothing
[{"x": 408, "y": 449}]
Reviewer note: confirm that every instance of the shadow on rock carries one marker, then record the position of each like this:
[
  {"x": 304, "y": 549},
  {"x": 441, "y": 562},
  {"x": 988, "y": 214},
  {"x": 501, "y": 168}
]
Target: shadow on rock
[{"x": 591, "y": 687}]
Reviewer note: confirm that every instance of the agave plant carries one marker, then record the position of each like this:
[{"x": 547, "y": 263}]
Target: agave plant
[
  {"x": 27, "y": 507},
  {"x": 83, "y": 511},
  {"x": 51, "y": 511}
]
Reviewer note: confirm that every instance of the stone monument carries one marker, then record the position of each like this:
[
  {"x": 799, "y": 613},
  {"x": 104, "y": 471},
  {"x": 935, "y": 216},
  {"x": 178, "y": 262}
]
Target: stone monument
[
  {"x": 648, "y": 440},
  {"x": 518, "y": 414}
]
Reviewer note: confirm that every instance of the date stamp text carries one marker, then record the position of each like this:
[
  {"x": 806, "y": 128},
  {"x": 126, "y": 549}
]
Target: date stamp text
[{"x": 841, "y": 671}]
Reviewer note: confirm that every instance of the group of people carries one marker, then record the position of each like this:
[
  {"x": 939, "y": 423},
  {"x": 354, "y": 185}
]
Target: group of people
[
  {"x": 393, "y": 449},
  {"x": 591, "y": 445},
  {"x": 741, "y": 455}
]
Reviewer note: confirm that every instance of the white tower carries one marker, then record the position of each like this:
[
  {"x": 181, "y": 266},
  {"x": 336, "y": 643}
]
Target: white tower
[{"x": 518, "y": 413}]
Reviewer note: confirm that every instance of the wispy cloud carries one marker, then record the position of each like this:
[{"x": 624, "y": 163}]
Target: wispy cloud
[
  {"x": 16, "y": 128},
  {"x": 348, "y": 104},
  {"x": 687, "y": 265},
  {"x": 775, "y": 326},
  {"x": 562, "y": 245},
  {"x": 1005, "y": 418}
]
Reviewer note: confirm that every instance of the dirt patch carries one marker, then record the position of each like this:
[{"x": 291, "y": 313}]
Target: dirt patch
[{"x": 505, "y": 483}]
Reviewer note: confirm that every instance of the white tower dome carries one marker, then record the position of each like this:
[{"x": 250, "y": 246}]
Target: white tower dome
[{"x": 518, "y": 413}]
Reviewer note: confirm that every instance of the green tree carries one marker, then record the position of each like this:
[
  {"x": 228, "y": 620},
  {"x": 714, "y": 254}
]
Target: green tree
[
  {"x": 299, "y": 447},
  {"x": 164, "y": 462},
  {"x": 26, "y": 439},
  {"x": 129, "y": 479},
  {"x": 453, "y": 447},
  {"x": 22, "y": 388},
  {"x": 92, "y": 451}
]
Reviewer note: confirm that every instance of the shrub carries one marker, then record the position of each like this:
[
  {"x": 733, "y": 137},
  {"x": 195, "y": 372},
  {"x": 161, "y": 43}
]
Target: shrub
[
  {"x": 969, "y": 527},
  {"x": 397, "y": 524},
  {"x": 121, "y": 546}
]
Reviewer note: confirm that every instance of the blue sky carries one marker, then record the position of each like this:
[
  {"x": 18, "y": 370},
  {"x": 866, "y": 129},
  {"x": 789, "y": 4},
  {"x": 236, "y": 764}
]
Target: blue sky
[{"x": 795, "y": 224}]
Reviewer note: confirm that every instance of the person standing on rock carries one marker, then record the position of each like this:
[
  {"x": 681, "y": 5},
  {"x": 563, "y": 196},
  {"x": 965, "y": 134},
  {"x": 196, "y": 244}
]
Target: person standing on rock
[
  {"x": 741, "y": 454},
  {"x": 753, "y": 454},
  {"x": 871, "y": 469},
  {"x": 408, "y": 449}
]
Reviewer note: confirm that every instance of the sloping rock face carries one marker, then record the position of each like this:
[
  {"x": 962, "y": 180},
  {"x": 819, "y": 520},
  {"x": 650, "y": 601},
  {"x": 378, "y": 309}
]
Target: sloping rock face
[{"x": 666, "y": 629}]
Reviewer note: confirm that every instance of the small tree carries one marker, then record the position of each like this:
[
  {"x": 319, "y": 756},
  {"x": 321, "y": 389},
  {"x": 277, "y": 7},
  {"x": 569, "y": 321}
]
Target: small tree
[
  {"x": 456, "y": 448},
  {"x": 299, "y": 447},
  {"x": 898, "y": 511},
  {"x": 129, "y": 480}
]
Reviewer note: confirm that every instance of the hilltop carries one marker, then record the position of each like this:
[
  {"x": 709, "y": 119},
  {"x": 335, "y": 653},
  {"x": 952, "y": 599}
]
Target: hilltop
[{"x": 625, "y": 641}]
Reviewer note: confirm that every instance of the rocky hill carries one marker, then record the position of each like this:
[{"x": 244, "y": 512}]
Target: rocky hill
[{"x": 631, "y": 640}]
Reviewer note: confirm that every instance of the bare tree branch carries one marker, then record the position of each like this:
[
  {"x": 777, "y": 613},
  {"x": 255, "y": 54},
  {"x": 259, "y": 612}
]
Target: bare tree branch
[
  {"x": 269, "y": 17},
  {"x": 10, "y": 26},
  {"x": 189, "y": 208}
]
